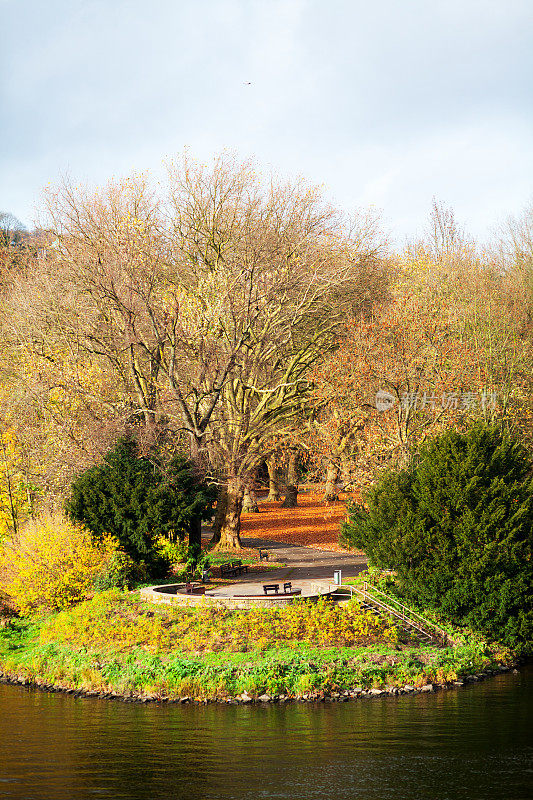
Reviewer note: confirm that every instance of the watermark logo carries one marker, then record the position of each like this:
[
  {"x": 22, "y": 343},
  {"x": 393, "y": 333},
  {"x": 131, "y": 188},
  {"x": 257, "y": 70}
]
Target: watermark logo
[{"x": 384, "y": 400}]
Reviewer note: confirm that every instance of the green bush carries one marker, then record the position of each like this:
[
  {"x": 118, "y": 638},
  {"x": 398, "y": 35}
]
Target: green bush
[
  {"x": 119, "y": 572},
  {"x": 457, "y": 527},
  {"x": 172, "y": 552},
  {"x": 138, "y": 500},
  {"x": 197, "y": 561}
]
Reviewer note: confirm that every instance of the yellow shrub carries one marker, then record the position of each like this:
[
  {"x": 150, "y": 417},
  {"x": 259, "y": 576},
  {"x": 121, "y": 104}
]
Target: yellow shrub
[
  {"x": 51, "y": 564},
  {"x": 118, "y": 619}
]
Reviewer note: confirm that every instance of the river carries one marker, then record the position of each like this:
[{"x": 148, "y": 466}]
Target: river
[{"x": 474, "y": 743}]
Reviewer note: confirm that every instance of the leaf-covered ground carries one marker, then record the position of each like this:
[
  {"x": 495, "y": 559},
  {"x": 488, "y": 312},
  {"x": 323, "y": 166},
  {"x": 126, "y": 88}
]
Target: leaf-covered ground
[{"x": 313, "y": 523}]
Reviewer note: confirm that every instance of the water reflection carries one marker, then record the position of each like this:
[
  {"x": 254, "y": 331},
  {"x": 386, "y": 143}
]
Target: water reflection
[{"x": 474, "y": 743}]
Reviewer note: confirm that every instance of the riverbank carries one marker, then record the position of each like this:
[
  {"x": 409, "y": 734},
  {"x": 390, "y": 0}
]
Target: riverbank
[
  {"x": 115, "y": 645},
  {"x": 341, "y": 696}
]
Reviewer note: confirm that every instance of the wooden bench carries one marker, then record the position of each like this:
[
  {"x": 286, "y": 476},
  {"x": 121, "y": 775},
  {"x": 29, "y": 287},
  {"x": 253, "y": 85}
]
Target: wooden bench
[
  {"x": 263, "y": 554},
  {"x": 232, "y": 568},
  {"x": 226, "y": 569},
  {"x": 191, "y": 588},
  {"x": 273, "y": 588}
]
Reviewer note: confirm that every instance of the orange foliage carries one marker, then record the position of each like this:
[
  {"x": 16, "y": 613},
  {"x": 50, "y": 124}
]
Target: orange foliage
[{"x": 313, "y": 523}]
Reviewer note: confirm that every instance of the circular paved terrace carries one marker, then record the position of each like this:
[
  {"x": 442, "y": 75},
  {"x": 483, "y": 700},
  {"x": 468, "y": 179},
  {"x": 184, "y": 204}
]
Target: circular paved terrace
[
  {"x": 241, "y": 594},
  {"x": 307, "y": 568}
]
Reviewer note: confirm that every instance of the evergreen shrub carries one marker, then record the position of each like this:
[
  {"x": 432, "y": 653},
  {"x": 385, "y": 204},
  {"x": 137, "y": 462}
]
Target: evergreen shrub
[
  {"x": 138, "y": 500},
  {"x": 457, "y": 526}
]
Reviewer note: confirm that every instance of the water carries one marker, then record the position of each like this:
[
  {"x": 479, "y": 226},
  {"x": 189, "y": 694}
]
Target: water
[{"x": 475, "y": 743}]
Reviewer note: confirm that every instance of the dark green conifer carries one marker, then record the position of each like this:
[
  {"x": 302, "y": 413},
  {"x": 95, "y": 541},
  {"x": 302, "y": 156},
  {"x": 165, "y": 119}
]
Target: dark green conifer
[
  {"x": 457, "y": 526},
  {"x": 137, "y": 500}
]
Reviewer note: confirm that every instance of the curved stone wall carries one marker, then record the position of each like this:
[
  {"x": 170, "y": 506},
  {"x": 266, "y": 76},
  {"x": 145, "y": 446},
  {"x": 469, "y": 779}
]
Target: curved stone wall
[{"x": 238, "y": 595}]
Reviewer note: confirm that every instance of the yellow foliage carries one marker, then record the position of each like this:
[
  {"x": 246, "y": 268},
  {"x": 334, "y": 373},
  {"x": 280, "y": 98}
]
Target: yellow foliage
[
  {"x": 13, "y": 495},
  {"x": 51, "y": 564},
  {"x": 115, "y": 619}
]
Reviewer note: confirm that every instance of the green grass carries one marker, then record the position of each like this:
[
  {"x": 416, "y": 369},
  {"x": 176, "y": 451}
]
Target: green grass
[
  {"x": 217, "y": 558},
  {"x": 43, "y": 651}
]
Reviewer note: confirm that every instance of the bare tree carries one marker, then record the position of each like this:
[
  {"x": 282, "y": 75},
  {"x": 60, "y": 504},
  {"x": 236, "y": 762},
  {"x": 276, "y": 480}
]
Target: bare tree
[
  {"x": 516, "y": 238},
  {"x": 444, "y": 240},
  {"x": 208, "y": 305}
]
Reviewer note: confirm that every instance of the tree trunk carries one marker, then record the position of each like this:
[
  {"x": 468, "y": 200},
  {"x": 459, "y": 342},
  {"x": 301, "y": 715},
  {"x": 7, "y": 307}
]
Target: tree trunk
[
  {"x": 220, "y": 515},
  {"x": 330, "y": 491},
  {"x": 249, "y": 503},
  {"x": 346, "y": 471},
  {"x": 14, "y": 518},
  {"x": 195, "y": 532},
  {"x": 195, "y": 527},
  {"x": 273, "y": 484},
  {"x": 291, "y": 490},
  {"x": 231, "y": 526}
]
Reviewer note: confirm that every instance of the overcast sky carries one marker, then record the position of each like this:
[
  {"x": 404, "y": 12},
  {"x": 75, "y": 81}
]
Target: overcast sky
[{"x": 386, "y": 103}]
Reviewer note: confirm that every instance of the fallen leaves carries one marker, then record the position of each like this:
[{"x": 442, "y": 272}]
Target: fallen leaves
[{"x": 313, "y": 523}]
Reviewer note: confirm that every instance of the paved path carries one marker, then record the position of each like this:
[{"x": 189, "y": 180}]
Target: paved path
[{"x": 303, "y": 563}]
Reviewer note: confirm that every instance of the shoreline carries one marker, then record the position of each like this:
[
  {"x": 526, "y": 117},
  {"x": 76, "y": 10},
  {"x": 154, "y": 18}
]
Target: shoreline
[{"x": 357, "y": 693}]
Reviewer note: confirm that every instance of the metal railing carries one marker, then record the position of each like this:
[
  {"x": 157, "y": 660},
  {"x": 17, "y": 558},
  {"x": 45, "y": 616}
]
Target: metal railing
[{"x": 401, "y": 612}]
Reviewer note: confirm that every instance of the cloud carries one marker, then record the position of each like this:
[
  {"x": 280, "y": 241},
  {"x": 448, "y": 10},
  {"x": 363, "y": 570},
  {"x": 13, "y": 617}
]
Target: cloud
[{"x": 387, "y": 104}]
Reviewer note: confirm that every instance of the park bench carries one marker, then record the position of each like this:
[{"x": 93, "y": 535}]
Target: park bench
[
  {"x": 263, "y": 554},
  {"x": 273, "y": 588},
  {"x": 232, "y": 568},
  {"x": 192, "y": 588}
]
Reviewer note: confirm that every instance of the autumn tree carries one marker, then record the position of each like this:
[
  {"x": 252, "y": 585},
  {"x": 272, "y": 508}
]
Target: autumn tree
[
  {"x": 450, "y": 346},
  {"x": 16, "y": 495},
  {"x": 514, "y": 244},
  {"x": 65, "y": 406},
  {"x": 207, "y": 305},
  {"x": 382, "y": 390}
]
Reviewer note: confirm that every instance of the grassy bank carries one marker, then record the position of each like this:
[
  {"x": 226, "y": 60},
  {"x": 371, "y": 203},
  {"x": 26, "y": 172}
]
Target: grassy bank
[{"x": 115, "y": 643}]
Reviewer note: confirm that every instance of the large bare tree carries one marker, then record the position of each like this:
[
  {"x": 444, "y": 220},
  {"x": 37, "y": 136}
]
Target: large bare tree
[{"x": 208, "y": 303}]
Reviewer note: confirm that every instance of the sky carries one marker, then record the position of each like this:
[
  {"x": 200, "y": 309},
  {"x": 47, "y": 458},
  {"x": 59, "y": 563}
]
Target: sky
[{"x": 385, "y": 104}]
